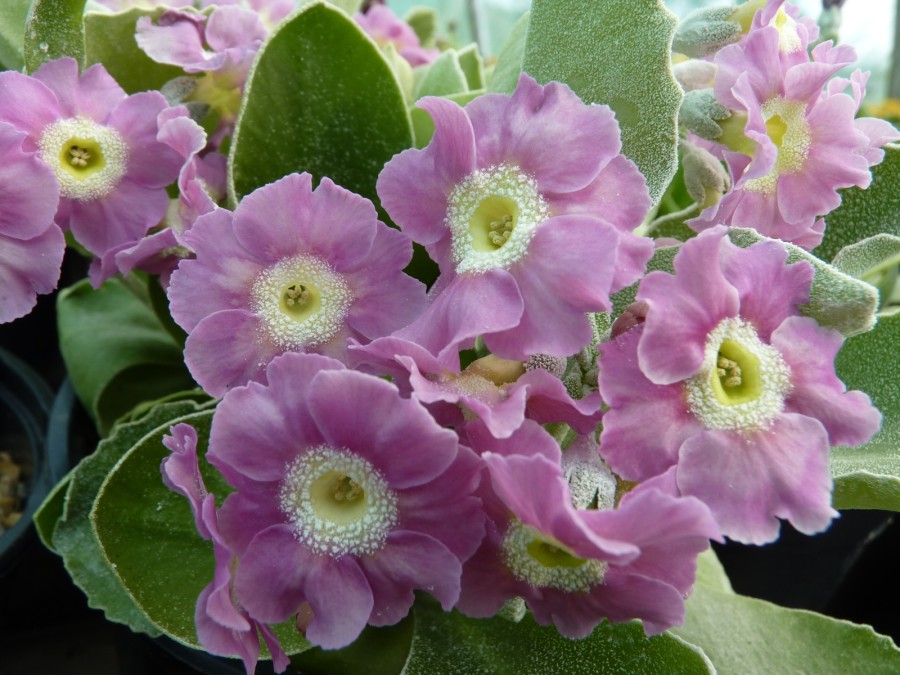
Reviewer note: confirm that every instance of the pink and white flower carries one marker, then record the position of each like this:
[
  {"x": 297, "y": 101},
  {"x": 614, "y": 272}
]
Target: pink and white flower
[
  {"x": 349, "y": 498},
  {"x": 726, "y": 382},
  {"x": 527, "y": 205},
  {"x": 101, "y": 146},
  {"x": 292, "y": 269}
]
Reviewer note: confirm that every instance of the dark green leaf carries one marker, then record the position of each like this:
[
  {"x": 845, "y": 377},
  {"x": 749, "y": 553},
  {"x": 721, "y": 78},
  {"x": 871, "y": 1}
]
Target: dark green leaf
[
  {"x": 506, "y": 71},
  {"x": 321, "y": 98},
  {"x": 54, "y": 29},
  {"x": 116, "y": 351},
  {"x": 616, "y": 52},
  {"x": 109, "y": 39},
  {"x": 74, "y": 538},
  {"x": 13, "y": 14},
  {"x": 377, "y": 651},
  {"x": 868, "y": 477},
  {"x": 865, "y": 213},
  {"x": 448, "y": 642}
]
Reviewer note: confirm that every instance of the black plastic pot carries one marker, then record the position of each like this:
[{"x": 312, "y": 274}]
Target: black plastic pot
[{"x": 25, "y": 402}]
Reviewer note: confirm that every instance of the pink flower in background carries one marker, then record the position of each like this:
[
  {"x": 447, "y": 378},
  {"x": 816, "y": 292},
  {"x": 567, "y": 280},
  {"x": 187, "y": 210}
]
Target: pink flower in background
[
  {"x": 383, "y": 26},
  {"x": 348, "y": 497},
  {"x": 527, "y": 205},
  {"x": 578, "y": 567},
  {"x": 726, "y": 382},
  {"x": 800, "y": 142},
  {"x": 31, "y": 245},
  {"x": 101, "y": 146},
  {"x": 293, "y": 269},
  {"x": 201, "y": 185}
]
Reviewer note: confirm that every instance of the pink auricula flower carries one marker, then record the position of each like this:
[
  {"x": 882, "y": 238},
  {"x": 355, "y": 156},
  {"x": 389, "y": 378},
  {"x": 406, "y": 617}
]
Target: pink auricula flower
[
  {"x": 348, "y": 497},
  {"x": 527, "y": 205},
  {"x": 726, "y": 382},
  {"x": 576, "y": 567},
  {"x": 101, "y": 146},
  {"x": 31, "y": 245},
  {"x": 793, "y": 138},
  {"x": 292, "y": 269},
  {"x": 383, "y": 26},
  {"x": 223, "y": 626}
]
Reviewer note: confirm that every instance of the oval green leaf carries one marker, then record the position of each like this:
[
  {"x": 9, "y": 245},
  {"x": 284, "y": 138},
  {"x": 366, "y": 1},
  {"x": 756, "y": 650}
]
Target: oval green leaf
[
  {"x": 743, "y": 635},
  {"x": 72, "y": 535},
  {"x": 868, "y": 477},
  {"x": 865, "y": 213},
  {"x": 54, "y": 29},
  {"x": 616, "y": 52},
  {"x": 110, "y": 40},
  {"x": 320, "y": 98},
  {"x": 13, "y": 14},
  {"x": 447, "y": 642}
]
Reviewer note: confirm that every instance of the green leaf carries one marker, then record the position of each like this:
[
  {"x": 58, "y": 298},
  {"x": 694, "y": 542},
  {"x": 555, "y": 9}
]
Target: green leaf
[
  {"x": 836, "y": 300},
  {"x": 423, "y": 21},
  {"x": 473, "y": 66},
  {"x": 442, "y": 77},
  {"x": 116, "y": 351},
  {"x": 506, "y": 71},
  {"x": 110, "y": 40},
  {"x": 147, "y": 534},
  {"x": 320, "y": 98},
  {"x": 377, "y": 651},
  {"x": 711, "y": 574},
  {"x": 50, "y": 511},
  {"x": 74, "y": 538},
  {"x": 741, "y": 635},
  {"x": 54, "y": 29},
  {"x": 868, "y": 477},
  {"x": 13, "y": 14},
  {"x": 616, "y": 52},
  {"x": 450, "y": 642},
  {"x": 875, "y": 260},
  {"x": 865, "y": 213}
]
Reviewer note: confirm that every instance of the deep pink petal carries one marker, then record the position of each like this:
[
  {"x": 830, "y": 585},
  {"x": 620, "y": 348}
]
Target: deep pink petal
[
  {"x": 646, "y": 423},
  {"x": 28, "y": 268},
  {"x": 470, "y": 305},
  {"x": 272, "y": 573},
  {"x": 341, "y": 601},
  {"x": 366, "y": 415},
  {"x": 763, "y": 266},
  {"x": 92, "y": 95},
  {"x": 409, "y": 561}
]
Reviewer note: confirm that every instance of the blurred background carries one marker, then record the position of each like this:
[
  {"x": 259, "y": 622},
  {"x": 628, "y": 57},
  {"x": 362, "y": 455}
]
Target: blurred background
[{"x": 868, "y": 25}]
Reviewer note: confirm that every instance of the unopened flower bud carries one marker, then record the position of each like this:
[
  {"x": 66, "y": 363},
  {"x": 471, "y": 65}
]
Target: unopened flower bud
[
  {"x": 704, "y": 176},
  {"x": 705, "y": 31},
  {"x": 702, "y": 114},
  {"x": 695, "y": 74}
]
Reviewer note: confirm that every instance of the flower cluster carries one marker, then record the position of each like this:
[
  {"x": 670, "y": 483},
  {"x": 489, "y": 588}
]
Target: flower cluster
[
  {"x": 787, "y": 128},
  {"x": 503, "y": 436}
]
